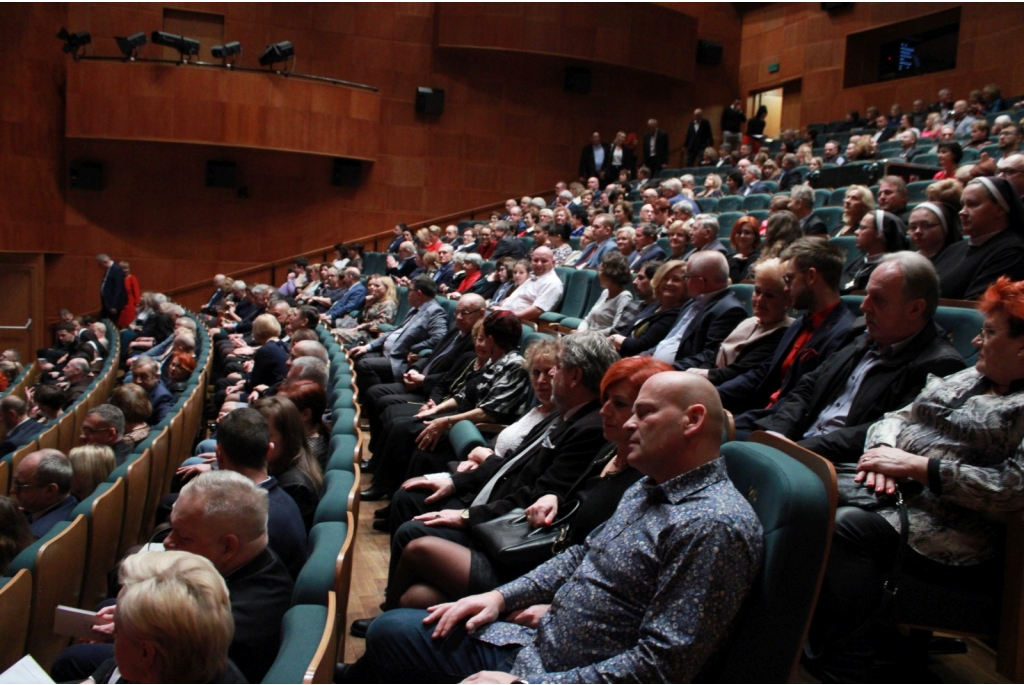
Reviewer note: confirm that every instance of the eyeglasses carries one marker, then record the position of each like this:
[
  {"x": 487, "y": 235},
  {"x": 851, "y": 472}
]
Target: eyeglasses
[
  {"x": 93, "y": 431},
  {"x": 987, "y": 333},
  {"x": 18, "y": 487},
  {"x": 1010, "y": 171}
]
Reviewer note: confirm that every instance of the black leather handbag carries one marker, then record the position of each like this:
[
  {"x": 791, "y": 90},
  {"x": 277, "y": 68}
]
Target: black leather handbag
[{"x": 509, "y": 541}]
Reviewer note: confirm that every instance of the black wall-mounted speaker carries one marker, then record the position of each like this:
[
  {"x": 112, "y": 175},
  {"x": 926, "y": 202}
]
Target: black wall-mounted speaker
[
  {"x": 220, "y": 174},
  {"x": 429, "y": 101},
  {"x": 346, "y": 173},
  {"x": 831, "y": 7},
  {"x": 709, "y": 52},
  {"x": 578, "y": 80},
  {"x": 85, "y": 175}
]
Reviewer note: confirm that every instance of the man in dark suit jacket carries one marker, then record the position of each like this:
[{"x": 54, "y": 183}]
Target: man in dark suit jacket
[
  {"x": 813, "y": 270},
  {"x": 698, "y": 137},
  {"x": 44, "y": 495},
  {"x": 709, "y": 317},
  {"x": 547, "y": 461},
  {"x": 417, "y": 383},
  {"x": 113, "y": 294},
  {"x": 406, "y": 262},
  {"x": 20, "y": 428},
  {"x": 647, "y": 248},
  {"x": 752, "y": 182},
  {"x": 655, "y": 152},
  {"x": 146, "y": 374},
  {"x": 595, "y": 159},
  {"x": 882, "y": 369},
  {"x": 908, "y": 145},
  {"x": 507, "y": 244},
  {"x": 801, "y": 203}
]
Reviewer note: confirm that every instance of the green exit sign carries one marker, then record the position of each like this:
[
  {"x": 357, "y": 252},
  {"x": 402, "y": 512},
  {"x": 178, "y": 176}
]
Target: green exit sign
[{"x": 772, "y": 68}]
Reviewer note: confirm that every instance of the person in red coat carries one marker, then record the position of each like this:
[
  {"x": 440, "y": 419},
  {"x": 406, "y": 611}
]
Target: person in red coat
[{"x": 131, "y": 284}]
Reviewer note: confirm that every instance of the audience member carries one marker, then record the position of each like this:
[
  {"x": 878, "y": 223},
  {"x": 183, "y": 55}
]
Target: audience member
[
  {"x": 879, "y": 233},
  {"x": 932, "y": 228},
  {"x": 14, "y": 532},
  {"x": 290, "y": 460},
  {"x": 858, "y": 202},
  {"x": 541, "y": 292},
  {"x": 655, "y": 321},
  {"x": 104, "y": 425},
  {"x": 133, "y": 401},
  {"x": 41, "y": 483},
  {"x": 19, "y": 429},
  {"x": 607, "y": 312},
  {"x": 746, "y": 242}
]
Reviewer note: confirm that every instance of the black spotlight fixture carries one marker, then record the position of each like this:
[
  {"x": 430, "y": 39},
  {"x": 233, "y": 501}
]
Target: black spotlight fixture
[
  {"x": 228, "y": 52},
  {"x": 74, "y": 42},
  {"x": 130, "y": 46},
  {"x": 278, "y": 52},
  {"x": 186, "y": 47}
]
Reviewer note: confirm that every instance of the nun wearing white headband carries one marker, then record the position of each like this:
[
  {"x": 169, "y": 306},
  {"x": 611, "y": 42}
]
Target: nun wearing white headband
[
  {"x": 992, "y": 218},
  {"x": 933, "y": 227},
  {"x": 878, "y": 234}
]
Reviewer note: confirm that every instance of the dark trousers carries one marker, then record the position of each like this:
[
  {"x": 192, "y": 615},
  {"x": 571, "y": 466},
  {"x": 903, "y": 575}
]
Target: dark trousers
[
  {"x": 400, "y": 649},
  {"x": 377, "y": 400},
  {"x": 372, "y": 369},
  {"x": 863, "y": 552},
  {"x": 392, "y": 463}
]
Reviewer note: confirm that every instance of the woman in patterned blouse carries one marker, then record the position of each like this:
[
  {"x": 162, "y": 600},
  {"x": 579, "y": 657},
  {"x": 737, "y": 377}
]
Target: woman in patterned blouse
[
  {"x": 381, "y": 306},
  {"x": 956, "y": 454}
]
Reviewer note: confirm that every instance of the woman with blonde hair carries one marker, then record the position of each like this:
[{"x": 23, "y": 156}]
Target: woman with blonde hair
[
  {"x": 712, "y": 186},
  {"x": 381, "y": 307},
  {"x": 174, "y": 622},
  {"x": 90, "y": 466},
  {"x": 858, "y": 202}
]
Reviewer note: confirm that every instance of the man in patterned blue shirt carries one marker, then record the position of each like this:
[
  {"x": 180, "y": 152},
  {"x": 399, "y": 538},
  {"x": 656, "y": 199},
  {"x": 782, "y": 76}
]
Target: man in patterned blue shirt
[{"x": 648, "y": 597}]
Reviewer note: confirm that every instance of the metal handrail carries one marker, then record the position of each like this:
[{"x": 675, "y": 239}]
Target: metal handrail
[{"x": 28, "y": 324}]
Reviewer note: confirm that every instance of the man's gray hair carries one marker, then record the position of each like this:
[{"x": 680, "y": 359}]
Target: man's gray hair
[
  {"x": 144, "y": 362},
  {"x": 186, "y": 322},
  {"x": 261, "y": 289},
  {"x": 110, "y": 415},
  {"x": 920, "y": 280},
  {"x": 804, "y": 194},
  {"x": 231, "y": 500},
  {"x": 353, "y": 272},
  {"x": 459, "y": 257},
  {"x": 78, "y": 363},
  {"x": 54, "y": 467},
  {"x": 175, "y": 310},
  {"x": 708, "y": 221},
  {"x": 311, "y": 369},
  {"x": 673, "y": 183},
  {"x": 500, "y": 226},
  {"x": 754, "y": 171},
  {"x": 472, "y": 258},
  {"x": 311, "y": 348},
  {"x": 711, "y": 265},
  {"x": 185, "y": 341},
  {"x": 683, "y": 206},
  {"x": 161, "y": 299},
  {"x": 589, "y": 352}
]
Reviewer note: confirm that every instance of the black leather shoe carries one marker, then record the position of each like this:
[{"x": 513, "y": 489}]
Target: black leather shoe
[
  {"x": 382, "y": 525},
  {"x": 341, "y": 672},
  {"x": 383, "y": 513},
  {"x": 359, "y": 627},
  {"x": 374, "y": 494}
]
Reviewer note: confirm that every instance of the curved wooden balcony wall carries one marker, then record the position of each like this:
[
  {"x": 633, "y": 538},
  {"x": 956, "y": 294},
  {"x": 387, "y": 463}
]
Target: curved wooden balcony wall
[
  {"x": 635, "y": 35},
  {"x": 191, "y": 104}
]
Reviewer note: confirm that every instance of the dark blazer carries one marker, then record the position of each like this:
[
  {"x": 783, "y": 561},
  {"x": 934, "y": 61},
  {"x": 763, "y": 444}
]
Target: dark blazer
[
  {"x": 755, "y": 187},
  {"x": 113, "y": 294},
  {"x": 649, "y": 329},
  {"x": 698, "y": 138},
  {"x": 269, "y": 365},
  {"x": 211, "y": 306},
  {"x": 753, "y": 355},
  {"x": 285, "y": 529},
  {"x": 544, "y": 471},
  {"x": 789, "y": 178},
  {"x": 966, "y": 271},
  {"x": 910, "y": 153},
  {"x": 300, "y": 488},
  {"x": 21, "y": 435},
  {"x": 815, "y": 226},
  {"x": 588, "y": 167},
  {"x": 753, "y": 389},
  {"x": 437, "y": 364},
  {"x": 47, "y": 520},
  {"x": 162, "y": 401},
  {"x": 404, "y": 268},
  {"x": 660, "y": 148},
  {"x": 261, "y": 593},
  {"x": 888, "y": 386},
  {"x": 708, "y": 329},
  {"x": 443, "y": 275},
  {"x": 655, "y": 253},
  {"x": 509, "y": 247}
]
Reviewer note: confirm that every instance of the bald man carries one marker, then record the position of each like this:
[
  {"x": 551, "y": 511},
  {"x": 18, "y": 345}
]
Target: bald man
[
  {"x": 541, "y": 293},
  {"x": 637, "y": 601}
]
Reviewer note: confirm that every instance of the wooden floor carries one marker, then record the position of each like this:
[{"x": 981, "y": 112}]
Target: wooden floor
[{"x": 370, "y": 572}]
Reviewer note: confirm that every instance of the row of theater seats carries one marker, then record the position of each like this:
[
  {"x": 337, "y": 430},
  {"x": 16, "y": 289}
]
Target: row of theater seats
[
  {"x": 831, "y": 129},
  {"x": 69, "y": 565}
]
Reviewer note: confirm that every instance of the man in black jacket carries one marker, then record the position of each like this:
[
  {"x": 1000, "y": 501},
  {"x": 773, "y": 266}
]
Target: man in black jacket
[
  {"x": 595, "y": 158},
  {"x": 801, "y": 203},
  {"x": 698, "y": 137},
  {"x": 881, "y": 369},
  {"x": 813, "y": 268},
  {"x": 549, "y": 460},
  {"x": 655, "y": 152},
  {"x": 113, "y": 295},
  {"x": 507, "y": 243}
]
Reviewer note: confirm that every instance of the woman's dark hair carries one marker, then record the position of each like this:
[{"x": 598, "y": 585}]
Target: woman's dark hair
[
  {"x": 306, "y": 394},
  {"x": 133, "y": 401},
  {"x": 504, "y": 328},
  {"x": 563, "y": 231},
  {"x": 737, "y": 177},
  {"x": 954, "y": 149},
  {"x": 282, "y": 413},
  {"x": 14, "y": 532},
  {"x": 762, "y": 111},
  {"x": 627, "y": 209}
]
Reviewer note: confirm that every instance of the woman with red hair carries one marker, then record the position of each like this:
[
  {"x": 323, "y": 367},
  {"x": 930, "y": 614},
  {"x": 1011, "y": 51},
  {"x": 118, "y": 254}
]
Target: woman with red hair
[
  {"x": 954, "y": 460},
  {"x": 433, "y": 570}
]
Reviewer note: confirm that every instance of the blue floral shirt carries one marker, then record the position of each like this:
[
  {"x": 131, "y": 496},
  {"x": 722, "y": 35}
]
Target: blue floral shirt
[{"x": 649, "y": 595}]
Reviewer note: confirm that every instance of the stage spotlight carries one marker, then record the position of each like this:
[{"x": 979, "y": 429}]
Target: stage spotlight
[
  {"x": 130, "y": 46},
  {"x": 278, "y": 52},
  {"x": 227, "y": 51},
  {"x": 184, "y": 46},
  {"x": 74, "y": 42}
]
